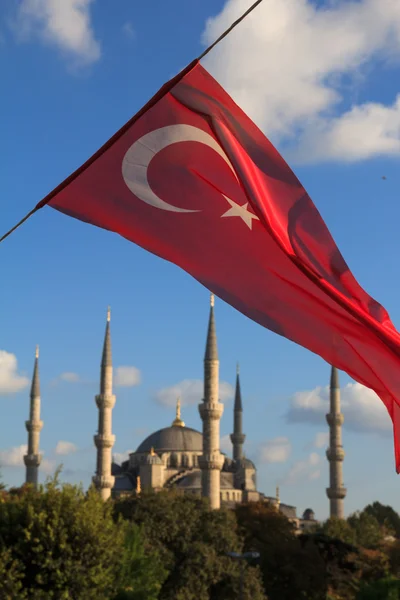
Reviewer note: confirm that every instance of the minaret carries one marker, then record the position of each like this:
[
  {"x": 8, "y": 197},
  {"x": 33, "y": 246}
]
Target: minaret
[
  {"x": 211, "y": 411},
  {"x": 34, "y": 426},
  {"x": 237, "y": 437},
  {"x": 104, "y": 440},
  {"x": 335, "y": 454}
]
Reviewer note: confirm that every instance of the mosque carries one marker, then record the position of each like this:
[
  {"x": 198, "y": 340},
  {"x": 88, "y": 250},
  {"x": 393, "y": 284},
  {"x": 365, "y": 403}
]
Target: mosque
[{"x": 183, "y": 458}]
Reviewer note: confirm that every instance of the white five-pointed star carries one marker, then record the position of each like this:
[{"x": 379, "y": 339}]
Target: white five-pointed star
[{"x": 240, "y": 211}]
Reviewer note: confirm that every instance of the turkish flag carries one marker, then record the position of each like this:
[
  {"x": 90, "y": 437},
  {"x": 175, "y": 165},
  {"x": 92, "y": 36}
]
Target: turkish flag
[{"x": 193, "y": 180}]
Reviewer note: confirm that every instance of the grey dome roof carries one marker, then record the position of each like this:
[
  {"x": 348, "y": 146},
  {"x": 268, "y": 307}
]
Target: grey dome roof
[
  {"x": 193, "y": 480},
  {"x": 246, "y": 463},
  {"x": 173, "y": 438},
  {"x": 308, "y": 514}
]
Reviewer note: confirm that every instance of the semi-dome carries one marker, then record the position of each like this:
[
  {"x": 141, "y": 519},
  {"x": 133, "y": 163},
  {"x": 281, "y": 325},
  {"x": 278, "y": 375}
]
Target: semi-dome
[
  {"x": 153, "y": 458},
  {"x": 246, "y": 463},
  {"x": 193, "y": 481},
  {"x": 172, "y": 438}
]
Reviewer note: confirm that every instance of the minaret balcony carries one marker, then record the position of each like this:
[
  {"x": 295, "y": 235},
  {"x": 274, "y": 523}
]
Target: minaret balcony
[
  {"x": 211, "y": 410},
  {"x": 336, "y": 493},
  {"x": 335, "y": 419},
  {"x": 33, "y": 425},
  {"x": 103, "y": 481},
  {"x": 32, "y": 460},
  {"x": 104, "y": 441},
  {"x": 105, "y": 401},
  {"x": 211, "y": 461},
  {"x": 237, "y": 438},
  {"x": 335, "y": 454}
]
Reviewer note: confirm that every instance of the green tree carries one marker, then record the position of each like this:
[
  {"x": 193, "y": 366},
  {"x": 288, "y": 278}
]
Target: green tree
[
  {"x": 368, "y": 532},
  {"x": 394, "y": 558},
  {"x": 383, "y": 589},
  {"x": 341, "y": 564},
  {"x": 338, "y": 529},
  {"x": 192, "y": 543},
  {"x": 141, "y": 573},
  {"x": 373, "y": 564},
  {"x": 11, "y": 574},
  {"x": 58, "y": 542},
  {"x": 2, "y": 485},
  {"x": 289, "y": 568},
  {"x": 386, "y": 516}
]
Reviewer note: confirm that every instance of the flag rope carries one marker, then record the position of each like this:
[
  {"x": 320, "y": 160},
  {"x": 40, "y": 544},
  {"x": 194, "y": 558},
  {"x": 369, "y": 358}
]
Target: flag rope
[
  {"x": 227, "y": 31},
  {"x": 206, "y": 51}
]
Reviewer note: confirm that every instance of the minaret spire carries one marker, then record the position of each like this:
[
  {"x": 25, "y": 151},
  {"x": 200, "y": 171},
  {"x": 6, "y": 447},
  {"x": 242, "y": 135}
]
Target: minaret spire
[
  {"x": 104, "y": 440},
  {"x": 211, "y": 411},
  {"x": 277, "y": 498},
  {"x": 335, "y": 453},
  {"x": 34, "y": 426},
  {"x": 238, "y": 437},
  {"x": 177, "y": 422}
]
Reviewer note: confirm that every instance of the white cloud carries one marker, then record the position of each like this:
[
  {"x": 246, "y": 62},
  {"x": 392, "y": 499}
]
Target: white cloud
[
  {"x": 64, "y": 448},
  {"x": 62, "y": 23},
  {"x": 321, "y": 439},
  {"x": 127, "y": 376},
  {"x": 314, "y": 475},
  {"x": 120, "y": 457},
  {"x": 13, "y": 457},
  {"x": 362, "y": 409},
  {"x": 367, "y": 130},
  {"x": 304, "y": 470},
  {"x": 226, "y": 444},
  {"x": 47, "y": 466},
  {"x": 129, "y": 30},
  {"x": 66, "y": 377},
  {"x": 10, "y": 381},
  {"x": 276, "y": 450},
  {"x": 291, "y": 62},
  {"x": 190, "y": 391},
  {"x": 70, "y": 377}
]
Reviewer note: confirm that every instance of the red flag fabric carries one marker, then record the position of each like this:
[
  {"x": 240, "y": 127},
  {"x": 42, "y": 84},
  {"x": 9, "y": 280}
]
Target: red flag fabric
[{"x": 194, "y": 181}]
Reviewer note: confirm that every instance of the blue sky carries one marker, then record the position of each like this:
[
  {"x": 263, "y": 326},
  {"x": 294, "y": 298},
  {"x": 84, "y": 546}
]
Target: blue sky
[{"x": 322, "y": 83}]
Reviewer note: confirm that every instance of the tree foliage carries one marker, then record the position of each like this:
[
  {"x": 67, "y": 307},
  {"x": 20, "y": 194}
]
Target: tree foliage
[
  {"x": 383, "y": 589},
  {"x": 361, "y": 529},
  {"x": 338, "y": 529},
  {"x": 289, "y": 568},
  {"x": 61, "y": 543},
  {"x": 386, "y": 517},
  {"x": 368, "y": 531},
  {"x": 141, "y": 574},
  {"x": 58, "y": 542},
  {"x": 192, "y": 542},
  {"x": 394, "y": 558}
]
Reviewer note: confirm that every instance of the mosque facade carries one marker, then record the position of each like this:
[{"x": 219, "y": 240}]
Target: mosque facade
[{"x": 183, "y": 458}]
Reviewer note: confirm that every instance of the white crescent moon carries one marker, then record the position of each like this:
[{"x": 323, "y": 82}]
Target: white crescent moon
[{"x": 137, "y": 159}]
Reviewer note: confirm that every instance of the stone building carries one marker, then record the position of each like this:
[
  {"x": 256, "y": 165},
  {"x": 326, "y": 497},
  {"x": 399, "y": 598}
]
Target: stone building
[
  {"x": 179, "y": 457},
  {"x": 183, "y": 458}
]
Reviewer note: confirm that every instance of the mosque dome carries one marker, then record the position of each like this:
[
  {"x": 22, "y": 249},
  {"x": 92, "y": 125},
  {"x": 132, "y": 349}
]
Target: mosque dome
[
  {"x": 172, "y": 438},
  {"x": 309, "y": 515},
  {"x": 175, "y": 438}
]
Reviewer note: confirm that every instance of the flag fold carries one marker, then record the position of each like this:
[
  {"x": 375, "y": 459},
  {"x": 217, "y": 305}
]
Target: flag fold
[{"x": 193, "y": 180}]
